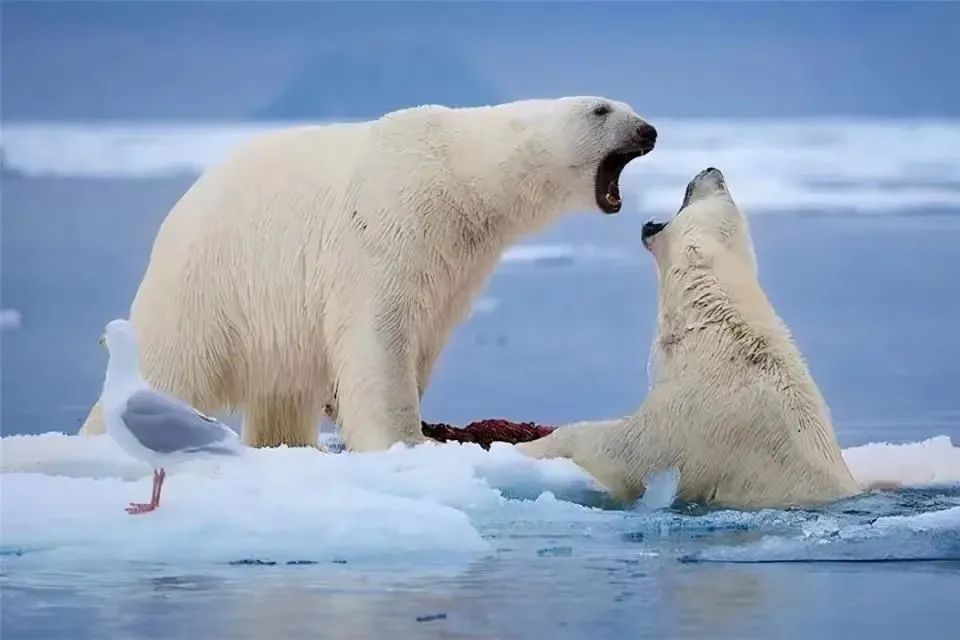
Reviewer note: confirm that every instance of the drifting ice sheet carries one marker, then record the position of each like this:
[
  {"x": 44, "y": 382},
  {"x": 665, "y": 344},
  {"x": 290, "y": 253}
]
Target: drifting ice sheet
[
  {"x": 65, "y": 494},
  {"x": 63, "y": 499}
]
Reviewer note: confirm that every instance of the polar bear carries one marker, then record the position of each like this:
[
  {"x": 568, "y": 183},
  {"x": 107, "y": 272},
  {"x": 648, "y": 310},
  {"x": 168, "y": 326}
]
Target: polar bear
[
  {"x": 732, "y": 405},
  {"x": 320, "y": 269}
]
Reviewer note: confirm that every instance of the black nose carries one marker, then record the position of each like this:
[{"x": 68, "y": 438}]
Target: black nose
[{"x": 647, "y": 135}]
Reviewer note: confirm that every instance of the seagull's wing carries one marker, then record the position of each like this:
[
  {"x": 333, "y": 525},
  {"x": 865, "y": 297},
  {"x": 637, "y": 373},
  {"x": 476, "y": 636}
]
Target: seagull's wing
[{"x": 166, "y": 425}]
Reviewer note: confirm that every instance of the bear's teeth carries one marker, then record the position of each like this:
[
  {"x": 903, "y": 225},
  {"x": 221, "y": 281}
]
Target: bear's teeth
[{"x": 612, "y": 200}]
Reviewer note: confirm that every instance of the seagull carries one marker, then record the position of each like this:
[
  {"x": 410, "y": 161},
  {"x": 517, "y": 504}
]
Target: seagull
[{"x": 155, "y": 427}]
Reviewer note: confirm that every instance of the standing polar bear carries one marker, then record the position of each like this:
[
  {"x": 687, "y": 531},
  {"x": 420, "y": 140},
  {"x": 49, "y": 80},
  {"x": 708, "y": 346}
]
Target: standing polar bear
[
  {"x": 732, "y": 405},
  {"x": 320, "y": 270}
]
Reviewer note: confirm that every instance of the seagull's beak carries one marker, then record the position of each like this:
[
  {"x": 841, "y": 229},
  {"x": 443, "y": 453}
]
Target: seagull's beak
[{"x": 103, "y": 340}]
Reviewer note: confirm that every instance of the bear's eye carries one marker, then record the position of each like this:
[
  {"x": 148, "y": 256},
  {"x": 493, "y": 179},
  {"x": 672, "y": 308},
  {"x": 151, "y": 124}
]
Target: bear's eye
[{"x": 601, "y": 110}]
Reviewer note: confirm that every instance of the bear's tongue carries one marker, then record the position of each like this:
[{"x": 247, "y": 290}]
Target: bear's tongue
[{"x": 613, "y": 194}]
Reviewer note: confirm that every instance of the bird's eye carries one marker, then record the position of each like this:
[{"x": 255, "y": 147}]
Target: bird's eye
[{"x": 601, "y": 110}]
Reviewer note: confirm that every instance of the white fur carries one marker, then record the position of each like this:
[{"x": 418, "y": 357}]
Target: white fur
[
  {"x": 732, "y": 404},
  {"x": 321, "y": 269}
]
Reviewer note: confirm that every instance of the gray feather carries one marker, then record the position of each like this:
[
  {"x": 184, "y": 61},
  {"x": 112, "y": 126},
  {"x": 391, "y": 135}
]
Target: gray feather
[{"x": 166, "y": 425}]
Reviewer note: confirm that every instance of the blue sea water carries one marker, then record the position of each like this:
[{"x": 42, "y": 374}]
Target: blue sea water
[{"x": 856, "y": 227}]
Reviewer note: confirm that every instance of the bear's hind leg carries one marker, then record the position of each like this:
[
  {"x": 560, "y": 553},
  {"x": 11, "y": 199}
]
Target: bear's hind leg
[{"x": 271, "y": 421}]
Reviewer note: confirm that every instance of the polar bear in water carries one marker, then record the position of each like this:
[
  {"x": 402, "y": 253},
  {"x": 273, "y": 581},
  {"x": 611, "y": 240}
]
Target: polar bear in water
[{"x": 732, "y": 405}]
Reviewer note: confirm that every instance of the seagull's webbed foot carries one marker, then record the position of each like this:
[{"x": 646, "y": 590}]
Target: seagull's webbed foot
[
  {"x": 146, "y": 507},
  {"x": 141, "y": 507}
]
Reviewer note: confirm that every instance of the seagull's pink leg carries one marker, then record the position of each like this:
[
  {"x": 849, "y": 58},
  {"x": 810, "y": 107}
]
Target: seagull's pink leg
[
  {"x": 141, "y": 507},
  {"x": 162, "y": 476}
]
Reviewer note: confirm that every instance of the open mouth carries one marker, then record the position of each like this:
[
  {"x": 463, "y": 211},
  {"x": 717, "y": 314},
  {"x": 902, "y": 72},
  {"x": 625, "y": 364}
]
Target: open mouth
[
  {"x": 650, "y": 229},
  {"x": 608, "y": 177}
]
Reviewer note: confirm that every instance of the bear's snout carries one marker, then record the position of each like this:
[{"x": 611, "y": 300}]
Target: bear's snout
[{"x": 646, "y": 137}]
